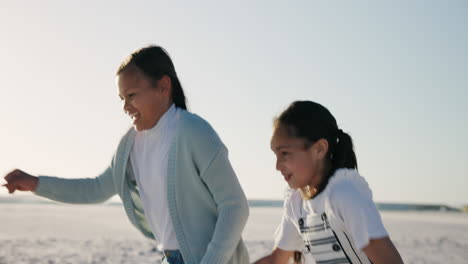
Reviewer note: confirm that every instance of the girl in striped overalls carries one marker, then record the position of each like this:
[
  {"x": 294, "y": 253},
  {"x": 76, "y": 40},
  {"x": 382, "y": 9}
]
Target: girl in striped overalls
[{"x": 329, "y": 214}]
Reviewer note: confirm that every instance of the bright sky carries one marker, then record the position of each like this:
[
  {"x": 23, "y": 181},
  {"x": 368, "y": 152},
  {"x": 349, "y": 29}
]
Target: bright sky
[{"x": 393, "y": 73}]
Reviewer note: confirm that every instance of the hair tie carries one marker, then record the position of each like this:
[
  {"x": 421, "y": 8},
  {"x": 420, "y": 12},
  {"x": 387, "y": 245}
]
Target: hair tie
[{"x": 338, "y": 134}]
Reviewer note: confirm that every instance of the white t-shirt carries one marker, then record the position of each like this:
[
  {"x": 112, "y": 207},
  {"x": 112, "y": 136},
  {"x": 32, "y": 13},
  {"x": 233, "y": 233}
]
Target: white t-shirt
[
  {"x": 149, "y": 158},
  {"x": 333, "y": 226}
]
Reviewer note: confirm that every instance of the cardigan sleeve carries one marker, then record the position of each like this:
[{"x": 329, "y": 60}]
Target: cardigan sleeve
[
  {"x": 78, "y": 191},
  {"x": 233, "y": 209}
]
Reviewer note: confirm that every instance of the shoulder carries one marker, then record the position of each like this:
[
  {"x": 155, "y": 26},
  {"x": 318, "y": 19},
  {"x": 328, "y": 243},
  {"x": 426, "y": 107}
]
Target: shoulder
[
  {"x": 191, "y": 123},
  {"x": 348, "y": 193},
  {"x": 191, "y": 119},
  {"x": 348, "y": 183},
  {"x": 196, "y": 130}
]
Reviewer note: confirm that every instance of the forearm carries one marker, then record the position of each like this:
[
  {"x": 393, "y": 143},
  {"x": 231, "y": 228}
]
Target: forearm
[
  {"x": 77, "y": 191},
  {"x": 265, "y": 260},
  {"x": 278, "y": 256},
  {"x": 382, "y": 251},
  {"x": 232, "y": 217}
]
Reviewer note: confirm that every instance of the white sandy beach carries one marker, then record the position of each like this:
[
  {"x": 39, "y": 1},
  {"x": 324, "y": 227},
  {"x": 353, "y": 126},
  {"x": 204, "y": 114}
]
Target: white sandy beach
[{"x": 49, "y": 233}]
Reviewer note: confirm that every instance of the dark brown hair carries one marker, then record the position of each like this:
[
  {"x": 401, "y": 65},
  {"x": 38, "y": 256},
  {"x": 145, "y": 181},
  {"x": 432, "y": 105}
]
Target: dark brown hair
[
  {"x": 154, "y": 62},
  {"x": 312, "y": 121}
]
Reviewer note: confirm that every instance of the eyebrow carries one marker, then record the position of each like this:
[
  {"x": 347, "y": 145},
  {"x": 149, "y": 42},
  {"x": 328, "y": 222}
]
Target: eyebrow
[
  {"x": 130, "y": 90},
  {"x": 282, "y": 147}
]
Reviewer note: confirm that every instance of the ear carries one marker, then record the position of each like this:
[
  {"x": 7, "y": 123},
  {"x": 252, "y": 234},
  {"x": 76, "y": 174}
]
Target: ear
[
  {"x": 321, "y": 147},
  {"x": 165, "y": 85}
]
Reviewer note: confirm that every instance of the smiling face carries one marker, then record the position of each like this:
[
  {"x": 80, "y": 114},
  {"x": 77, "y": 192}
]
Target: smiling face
[
  {"x": 143, "y": 101},
  {"x": 299, "y": 163}
]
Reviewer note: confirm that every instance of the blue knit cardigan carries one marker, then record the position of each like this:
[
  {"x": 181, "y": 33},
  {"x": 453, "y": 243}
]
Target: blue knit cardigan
[{"x": 206, "y": 203}]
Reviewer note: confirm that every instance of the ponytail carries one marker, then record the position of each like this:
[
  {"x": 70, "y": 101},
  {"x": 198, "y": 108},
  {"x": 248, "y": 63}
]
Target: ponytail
[
  {"x": 343, "y": 155},
  {"x": 178, "y": 96}
]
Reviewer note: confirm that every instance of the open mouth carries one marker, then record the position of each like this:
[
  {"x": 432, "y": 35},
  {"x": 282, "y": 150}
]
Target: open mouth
[
  {"x": 134, "y": 117},
  {"x": 287, "y": 177}
]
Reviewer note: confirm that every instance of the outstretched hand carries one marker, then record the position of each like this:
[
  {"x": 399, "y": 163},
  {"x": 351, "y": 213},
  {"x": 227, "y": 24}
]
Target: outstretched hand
[{"x": 21, "y": 181}]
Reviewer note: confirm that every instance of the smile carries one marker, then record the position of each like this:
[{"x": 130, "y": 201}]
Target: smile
[{"x": 134, "y": 116}]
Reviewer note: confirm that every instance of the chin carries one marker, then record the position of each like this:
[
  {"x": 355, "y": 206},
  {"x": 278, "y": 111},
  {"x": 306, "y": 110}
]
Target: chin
[{"x": 138, "y": 128}]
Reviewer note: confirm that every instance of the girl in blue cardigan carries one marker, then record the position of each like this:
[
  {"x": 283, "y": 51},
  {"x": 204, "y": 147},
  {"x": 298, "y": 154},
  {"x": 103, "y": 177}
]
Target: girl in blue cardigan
[{"x": 171, "y": 171}]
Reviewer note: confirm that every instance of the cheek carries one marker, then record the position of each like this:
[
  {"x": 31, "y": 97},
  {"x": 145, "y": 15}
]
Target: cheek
[
  {"x": 133, "y": 102},
  {"x": 143, "y": 105},
  {"x": 304, "y": 165},
  {"x": 151, "y": 103}
]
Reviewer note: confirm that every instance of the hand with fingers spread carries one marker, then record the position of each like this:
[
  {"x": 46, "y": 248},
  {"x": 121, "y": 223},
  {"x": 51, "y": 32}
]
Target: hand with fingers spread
[{"x": 21, "y": 181}]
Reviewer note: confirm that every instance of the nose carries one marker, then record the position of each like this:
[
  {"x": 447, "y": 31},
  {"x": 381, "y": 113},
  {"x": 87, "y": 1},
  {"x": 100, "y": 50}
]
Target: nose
[
  {"x": 125, "y": 106},
  {"x": 278, "y": 165}
]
